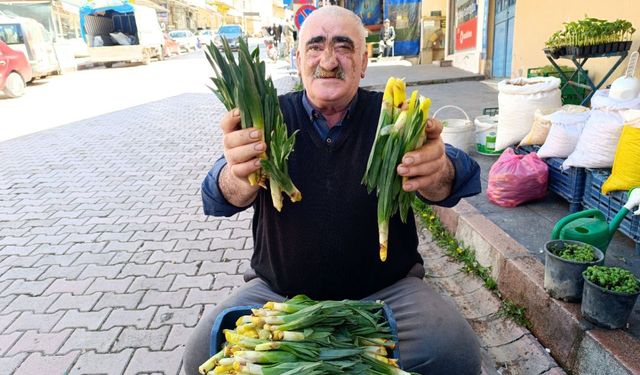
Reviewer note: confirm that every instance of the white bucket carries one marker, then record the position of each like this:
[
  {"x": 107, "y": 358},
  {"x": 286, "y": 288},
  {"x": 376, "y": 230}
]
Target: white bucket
[
  {"x": 486, "y": 127},
  {"x": 457, "y": 132}
]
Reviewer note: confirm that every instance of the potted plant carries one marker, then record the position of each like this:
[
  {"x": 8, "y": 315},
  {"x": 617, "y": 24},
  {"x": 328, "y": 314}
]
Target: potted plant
[
  {"x": 609, "y": 295},
  {"x": 590, "y": 37},
  {"x": 565, "y": 260}
]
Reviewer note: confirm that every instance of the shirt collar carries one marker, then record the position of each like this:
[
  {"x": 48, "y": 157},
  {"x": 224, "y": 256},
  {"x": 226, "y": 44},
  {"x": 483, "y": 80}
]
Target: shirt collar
[{"x": 313, "y": 113}]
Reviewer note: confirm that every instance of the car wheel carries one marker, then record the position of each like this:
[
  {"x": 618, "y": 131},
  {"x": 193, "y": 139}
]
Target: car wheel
[{"x": 15, "y": 85}]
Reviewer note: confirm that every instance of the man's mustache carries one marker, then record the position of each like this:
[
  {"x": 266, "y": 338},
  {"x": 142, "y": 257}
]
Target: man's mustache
[{"x": 323, "y": 73}]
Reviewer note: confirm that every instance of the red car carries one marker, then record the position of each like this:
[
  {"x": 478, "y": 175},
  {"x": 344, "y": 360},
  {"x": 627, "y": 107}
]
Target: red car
[{"x": 15, "y": 71}]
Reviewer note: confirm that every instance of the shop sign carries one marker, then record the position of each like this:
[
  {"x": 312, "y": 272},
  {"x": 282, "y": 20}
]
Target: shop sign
[{"x": 466, "y": 34}]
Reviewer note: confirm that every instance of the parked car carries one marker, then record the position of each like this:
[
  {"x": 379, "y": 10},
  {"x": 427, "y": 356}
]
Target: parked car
[
  {"x": 171, "y": 47},
  {"x": 205, "y": 37},
  {"x": 32, "y": 39},
  {"x": 15, "y": 71},
  {"x": 232, "y": 33},
  {"x": 185, "y": 38}
]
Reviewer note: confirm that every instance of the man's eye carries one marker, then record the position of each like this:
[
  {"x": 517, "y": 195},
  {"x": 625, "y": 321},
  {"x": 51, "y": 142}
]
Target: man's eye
[
  {"x": 315, "y": 47},
  {"x": 343, "y": 47}
]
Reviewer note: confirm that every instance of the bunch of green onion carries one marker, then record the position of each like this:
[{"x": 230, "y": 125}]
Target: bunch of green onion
[
  {"x": 243, "y": 84},
  {"x": 303, "y": 336},
  {"x": 401, "y": 128}
]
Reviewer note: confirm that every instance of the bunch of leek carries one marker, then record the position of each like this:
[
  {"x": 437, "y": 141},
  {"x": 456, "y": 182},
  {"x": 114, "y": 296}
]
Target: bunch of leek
[
  {"x": 401, "y": 128},
  {"x": 243, "y": 84},
  {"x": 303, "y": 336}
]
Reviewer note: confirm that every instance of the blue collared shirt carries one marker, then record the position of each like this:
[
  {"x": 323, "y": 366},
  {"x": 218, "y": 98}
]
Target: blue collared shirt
[
  {"x": 466, "y": 181},
  {"x": 330, "y": 135}
]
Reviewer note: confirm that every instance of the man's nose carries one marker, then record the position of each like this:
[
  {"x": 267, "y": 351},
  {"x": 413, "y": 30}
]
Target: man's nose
[{"x": 328, "y": 60}]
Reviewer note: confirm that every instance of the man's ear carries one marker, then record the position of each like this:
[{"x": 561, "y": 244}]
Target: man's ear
[
  {"x": 365, "y": 62},
  {"x": 298, "y": 62}
]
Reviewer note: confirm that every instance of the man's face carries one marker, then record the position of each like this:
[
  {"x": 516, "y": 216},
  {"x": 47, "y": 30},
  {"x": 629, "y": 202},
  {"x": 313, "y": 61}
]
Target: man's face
[{"x": 331, "y": 60}]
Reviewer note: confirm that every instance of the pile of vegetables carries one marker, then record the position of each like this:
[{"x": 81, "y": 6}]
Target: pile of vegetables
[
  {"x": 303, "y": 336},
  {"x": 243, "y": 85},
  {"x": 401, "y": 128}
]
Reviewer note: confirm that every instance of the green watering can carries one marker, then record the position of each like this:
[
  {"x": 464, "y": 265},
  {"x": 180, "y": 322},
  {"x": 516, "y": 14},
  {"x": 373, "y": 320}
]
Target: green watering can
[{"x": 591, "y": 226}]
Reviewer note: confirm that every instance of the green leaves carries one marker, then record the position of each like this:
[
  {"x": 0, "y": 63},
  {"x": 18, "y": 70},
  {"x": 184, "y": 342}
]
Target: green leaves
[
  {"x": 590, "y": 31},
  {"x": 401, "y": 129},
  {"x": 613, "y": 278},
  {"x": 242, "y": 84},
  {"x": 575, "y": 252}
]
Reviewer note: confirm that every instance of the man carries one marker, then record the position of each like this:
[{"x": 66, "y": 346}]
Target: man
[
  {"x": 387, "y": 38},
  {"x": 326, "y": 246}
]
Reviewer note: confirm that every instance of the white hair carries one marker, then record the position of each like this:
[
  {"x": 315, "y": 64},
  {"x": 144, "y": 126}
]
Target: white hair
[{"x": 338, "y": 12}]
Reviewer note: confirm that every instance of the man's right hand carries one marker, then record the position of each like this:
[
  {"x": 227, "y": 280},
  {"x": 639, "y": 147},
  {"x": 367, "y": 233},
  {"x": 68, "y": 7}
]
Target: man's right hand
[{"x": 242, "y": 148}]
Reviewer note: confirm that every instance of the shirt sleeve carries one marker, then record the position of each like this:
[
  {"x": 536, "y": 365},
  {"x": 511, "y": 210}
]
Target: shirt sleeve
[
  {"x": 466, "y": 182},
  {"x": 213, "y": 201}
]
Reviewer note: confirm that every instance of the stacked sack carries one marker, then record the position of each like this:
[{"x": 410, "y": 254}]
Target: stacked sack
[
  {"x": 626, "y": 169},
  {"x": 567, "y": 124},
  {"x": 596, "y": 147},
  {"x": 518, "y": 100}
]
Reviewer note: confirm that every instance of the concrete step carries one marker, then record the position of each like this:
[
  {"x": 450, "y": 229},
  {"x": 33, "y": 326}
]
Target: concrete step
[
  {"x": 577, "y": 345},
  {"x": 507, "y": 348}
]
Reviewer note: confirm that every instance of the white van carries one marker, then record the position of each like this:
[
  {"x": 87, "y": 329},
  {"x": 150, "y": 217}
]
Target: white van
[
  {"x": 31, "y": 38},
  {"x": 121, "y": 33}
]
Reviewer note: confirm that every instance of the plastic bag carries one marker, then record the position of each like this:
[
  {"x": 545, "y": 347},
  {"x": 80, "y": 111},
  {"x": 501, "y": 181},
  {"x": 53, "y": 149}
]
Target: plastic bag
[{"x": 515, "y": 179}]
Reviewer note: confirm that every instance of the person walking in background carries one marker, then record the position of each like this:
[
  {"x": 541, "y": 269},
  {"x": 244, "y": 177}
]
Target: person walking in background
[
  {"x": 278, "y": 34},
  {"x": 387, "y": 38}
]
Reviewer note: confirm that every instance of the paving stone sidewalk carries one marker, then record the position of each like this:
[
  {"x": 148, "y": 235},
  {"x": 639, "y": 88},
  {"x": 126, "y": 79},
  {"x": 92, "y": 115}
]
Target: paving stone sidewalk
[{"x": 106, "y": 259}]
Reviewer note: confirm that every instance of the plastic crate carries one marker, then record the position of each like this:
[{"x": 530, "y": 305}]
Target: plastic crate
[
  {"x": 227, "y": 320},
  {"x": 570, "y": 94},
  {"x": 569, "y": 184},
  {"x": 610, "y": 204}
]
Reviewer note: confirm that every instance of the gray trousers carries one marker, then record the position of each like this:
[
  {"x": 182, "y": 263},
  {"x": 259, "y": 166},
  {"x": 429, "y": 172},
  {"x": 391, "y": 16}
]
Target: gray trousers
[{"x": 433, "y": 336}]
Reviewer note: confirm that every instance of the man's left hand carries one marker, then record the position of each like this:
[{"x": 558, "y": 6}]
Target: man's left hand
[{"x": 429, "y": 170}]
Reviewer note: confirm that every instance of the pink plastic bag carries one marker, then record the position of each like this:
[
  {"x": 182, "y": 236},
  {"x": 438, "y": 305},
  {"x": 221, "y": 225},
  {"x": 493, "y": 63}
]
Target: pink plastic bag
[{"x": 515, "y": 179}]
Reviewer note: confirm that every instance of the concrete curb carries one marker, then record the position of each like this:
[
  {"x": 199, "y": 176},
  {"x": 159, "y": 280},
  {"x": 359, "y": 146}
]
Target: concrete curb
[
  {"x": 477, "y": 77},
  {"x": 576, "y": 344}
]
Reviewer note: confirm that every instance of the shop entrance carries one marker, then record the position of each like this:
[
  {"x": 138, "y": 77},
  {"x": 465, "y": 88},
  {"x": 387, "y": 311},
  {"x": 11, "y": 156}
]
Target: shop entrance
[{"x": 505, "y": 12}]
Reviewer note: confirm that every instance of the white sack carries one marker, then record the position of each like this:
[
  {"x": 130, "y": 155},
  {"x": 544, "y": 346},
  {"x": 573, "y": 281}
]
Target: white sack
[
  {"x": 596, "y": 147},
  {"x": 566, "y": 126},
  {"x": 518, "y": 100},
  {"x": 601, "y": 100}
]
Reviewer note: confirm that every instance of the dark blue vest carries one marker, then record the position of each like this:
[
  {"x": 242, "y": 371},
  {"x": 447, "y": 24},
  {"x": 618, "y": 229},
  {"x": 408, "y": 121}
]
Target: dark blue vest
[{"x": 326, "y": 246}]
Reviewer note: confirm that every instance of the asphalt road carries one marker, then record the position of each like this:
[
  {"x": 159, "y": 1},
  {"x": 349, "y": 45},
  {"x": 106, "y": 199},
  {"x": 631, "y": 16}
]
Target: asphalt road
[{"x": 91, "y": 92}]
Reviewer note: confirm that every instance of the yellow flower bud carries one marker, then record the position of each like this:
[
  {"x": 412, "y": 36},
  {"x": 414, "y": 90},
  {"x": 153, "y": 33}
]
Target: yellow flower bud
[
  {"x": 399, "y": 92},
  {"x": 425, "y": 104},
  {"x": 388, "y": 90}
]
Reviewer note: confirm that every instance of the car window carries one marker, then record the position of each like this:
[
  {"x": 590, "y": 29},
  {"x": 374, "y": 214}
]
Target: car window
[
  {"x": 230, "y": 29},
  {"x": 178, "y": 34},
  {"x": 11, "y": 34}
]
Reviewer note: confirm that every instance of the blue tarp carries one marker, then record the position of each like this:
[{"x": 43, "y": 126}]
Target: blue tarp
[
  {"x": 118, "y": 6},
  {"x": 408, "y": 29}
]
